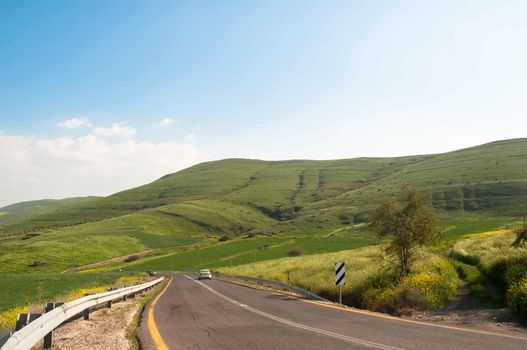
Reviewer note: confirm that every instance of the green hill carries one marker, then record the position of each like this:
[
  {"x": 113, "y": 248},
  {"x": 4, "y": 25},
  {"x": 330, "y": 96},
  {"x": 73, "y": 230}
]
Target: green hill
[
  {"x": 484, "y": 185},
  {"x": 23, "y": 211}
]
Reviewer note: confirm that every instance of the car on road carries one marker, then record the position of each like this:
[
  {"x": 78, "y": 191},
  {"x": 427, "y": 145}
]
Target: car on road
[{"x": 204, "y": 274}]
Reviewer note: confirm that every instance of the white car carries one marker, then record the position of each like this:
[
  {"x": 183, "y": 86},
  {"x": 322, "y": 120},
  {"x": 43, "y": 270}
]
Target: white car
[{"x": 204, "y": 274}]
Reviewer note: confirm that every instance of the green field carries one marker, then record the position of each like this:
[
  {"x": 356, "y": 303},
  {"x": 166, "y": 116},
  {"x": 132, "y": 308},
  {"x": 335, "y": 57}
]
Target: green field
[
  {"x": 231, "y": 212},
  {"x": 43, "y": 287}
]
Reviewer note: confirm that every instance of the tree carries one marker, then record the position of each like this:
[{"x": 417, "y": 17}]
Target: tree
[
  {"x": 521, "y": 235},
  {"x": 409, "y": 224}
]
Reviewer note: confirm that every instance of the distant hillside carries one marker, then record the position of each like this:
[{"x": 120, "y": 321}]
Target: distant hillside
[
  {"x": 490, "y": 178},
  {"x": 27, "y": 210}
]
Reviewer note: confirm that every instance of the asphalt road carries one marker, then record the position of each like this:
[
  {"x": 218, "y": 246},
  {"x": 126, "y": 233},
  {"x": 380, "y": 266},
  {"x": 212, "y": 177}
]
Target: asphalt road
[{"x": 193, "y": 314}]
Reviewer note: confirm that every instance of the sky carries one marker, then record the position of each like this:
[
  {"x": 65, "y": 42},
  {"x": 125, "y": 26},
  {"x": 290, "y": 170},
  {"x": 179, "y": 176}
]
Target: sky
[{"x": 101, "y": 96}]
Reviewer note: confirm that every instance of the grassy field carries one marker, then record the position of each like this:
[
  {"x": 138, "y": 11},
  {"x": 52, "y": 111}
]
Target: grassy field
[
  {"x": 243, "y": 251},
  {"x": 231, "y": 212},
  {"x": 495, "y": 272},
  {"x": 42, "y": 287}
]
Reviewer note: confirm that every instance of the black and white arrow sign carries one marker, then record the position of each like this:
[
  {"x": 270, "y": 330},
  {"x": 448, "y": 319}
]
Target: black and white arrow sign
[{"x": 340, "y": 274}]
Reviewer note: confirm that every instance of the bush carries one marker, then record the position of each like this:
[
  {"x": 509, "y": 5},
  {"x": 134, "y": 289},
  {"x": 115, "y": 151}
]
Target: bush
[
  {"x": 38, "y": 263},
  {"x": 297, "y": 251},
  {"x": 517, "y": 297},
  {"x": 224, "y": 238},
  {"x": 437, "y": 282},
  {"x": 429, "y": 288},
  {"x": 131, "y": 258}
]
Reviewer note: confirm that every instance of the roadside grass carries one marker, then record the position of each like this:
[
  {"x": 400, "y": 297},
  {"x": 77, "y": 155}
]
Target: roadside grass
[
  {"x": 488, "y": 260},
  {"x": 20, "y": 290},
  {"x": 131, "y": 330},
  {"x": 371, "y": 282}
]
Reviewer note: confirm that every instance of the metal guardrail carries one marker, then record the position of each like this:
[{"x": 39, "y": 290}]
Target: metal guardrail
[
  {"x": 272, "y": 283},
  {"x": 32, "y": 333}
]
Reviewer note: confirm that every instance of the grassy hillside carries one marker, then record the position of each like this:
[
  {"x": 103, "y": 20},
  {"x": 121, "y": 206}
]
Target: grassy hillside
[
  {"x": 14, "y": 213},
  {"x": 484, "y": 185},
  {"x": 236, "y": 211}
]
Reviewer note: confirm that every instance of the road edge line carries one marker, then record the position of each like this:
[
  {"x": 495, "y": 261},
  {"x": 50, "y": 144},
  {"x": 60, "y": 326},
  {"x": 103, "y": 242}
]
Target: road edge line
[
  {"x": 301, "y": 326},
  {"x": 378, "y": 315},
  {"x": 151, "y": 323}
]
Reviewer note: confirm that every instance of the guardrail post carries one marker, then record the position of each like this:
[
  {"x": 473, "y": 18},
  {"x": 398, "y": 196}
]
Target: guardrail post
[
  {"x": 86, "y": 313},
  {"x": 43, "y": 324},
  {"x": 21, "y": 321},
  {"x": 48, "y": 338},
  {"x": 109, "y": 304},
  {"x": 124, "y": 297}
]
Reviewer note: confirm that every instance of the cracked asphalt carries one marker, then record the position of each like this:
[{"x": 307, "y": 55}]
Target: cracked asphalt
[{"x": 219, "y": 315}]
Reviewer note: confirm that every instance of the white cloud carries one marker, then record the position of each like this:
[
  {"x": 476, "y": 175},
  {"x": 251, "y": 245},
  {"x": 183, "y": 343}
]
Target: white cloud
[
  {"x": 165, "y": 122},
  {"x": 74, "y": 123},
  {"x": 117, "y": 129},
  {"x": 34, "y": 168},
  {"x": 190, "y": 136}
]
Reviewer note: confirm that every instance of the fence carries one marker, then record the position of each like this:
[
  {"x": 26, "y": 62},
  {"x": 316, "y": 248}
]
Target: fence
[
  {"x": 271, "y": 283},
  {"x": 43, "y": 325}
]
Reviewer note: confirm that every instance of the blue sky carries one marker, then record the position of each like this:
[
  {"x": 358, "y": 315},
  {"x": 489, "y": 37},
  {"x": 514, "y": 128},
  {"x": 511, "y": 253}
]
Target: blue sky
[{"x": 255, "y": 79}]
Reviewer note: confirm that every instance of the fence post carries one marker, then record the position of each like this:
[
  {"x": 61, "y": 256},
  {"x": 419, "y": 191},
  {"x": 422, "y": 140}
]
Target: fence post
[
  {"x": 48, "y": 338},
  {"x": 21, "y": 321},
  {"x": 86, "y": 314}
]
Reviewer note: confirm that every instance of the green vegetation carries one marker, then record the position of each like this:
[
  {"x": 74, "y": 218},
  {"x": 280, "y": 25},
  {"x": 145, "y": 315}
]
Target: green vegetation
[
  {"x": 243, "y": 251},
  {"x": 521, "y": 235},
  {"x": 235, "y": 211},
  {"x": 372, "y": 283},
  {"x": 409, "y": 227},
  {"x": 28, "y": 210},
  {"x": 494, "y": 270},
  {"x": 24, "y": 289}
]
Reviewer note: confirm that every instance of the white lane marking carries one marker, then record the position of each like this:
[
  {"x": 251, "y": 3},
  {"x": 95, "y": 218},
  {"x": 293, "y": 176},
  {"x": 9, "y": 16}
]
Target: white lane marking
[{"x": 297, "y": 325}]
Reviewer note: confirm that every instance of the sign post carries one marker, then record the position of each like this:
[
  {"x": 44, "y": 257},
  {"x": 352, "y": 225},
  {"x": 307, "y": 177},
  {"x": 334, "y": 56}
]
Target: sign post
[{"x": 340, "y": 278}]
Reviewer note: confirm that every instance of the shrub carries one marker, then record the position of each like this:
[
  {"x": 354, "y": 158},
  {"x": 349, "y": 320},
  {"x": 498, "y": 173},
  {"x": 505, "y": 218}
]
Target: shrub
[
  {"x": 380, "y": 299},
  {"x": 8, "y": 317},
  {"x": 436, "y": 283},
  {"x": 38, "y": 263},
  {"x": 517, "y": 297},
  {"x": 224, "y": 238},
  {"x": 131, "y": 258},
  {"x": 296, "y": 251},
  {"x": 429, "y": 288}
]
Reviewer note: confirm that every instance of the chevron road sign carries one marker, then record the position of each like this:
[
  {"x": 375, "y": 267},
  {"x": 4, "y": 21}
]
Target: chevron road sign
[
  {"x": 340, "y": 273},
  {"x": 340, "y": 277}
]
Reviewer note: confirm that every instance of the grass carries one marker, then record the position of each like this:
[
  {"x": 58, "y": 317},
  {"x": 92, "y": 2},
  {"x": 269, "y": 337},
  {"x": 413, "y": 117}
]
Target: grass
[
  {"x": 131, "y": 330},
  {"x": 43, "y": 287},
  {"x": 318, "y": 206},
  {"x": 243, "y": 251},
  {"x": 370, "y": 280}
]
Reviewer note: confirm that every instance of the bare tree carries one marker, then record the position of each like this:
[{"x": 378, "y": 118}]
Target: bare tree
[{"x": 409, "y": 224}]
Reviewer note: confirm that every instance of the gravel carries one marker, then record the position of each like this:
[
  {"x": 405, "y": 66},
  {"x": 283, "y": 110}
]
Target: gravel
[{"x": 106, "y": 329}]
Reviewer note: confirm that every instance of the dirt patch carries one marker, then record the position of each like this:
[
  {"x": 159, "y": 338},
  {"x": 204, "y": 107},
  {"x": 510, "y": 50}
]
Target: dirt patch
[
  {"x": 109, "y": 261},
  {"x": 493, "y": 320},
  {"x": 106, "y": 329}
]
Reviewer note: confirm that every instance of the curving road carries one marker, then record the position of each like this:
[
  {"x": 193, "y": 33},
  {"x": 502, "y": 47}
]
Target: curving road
[{"x": 192, "y": 314}]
